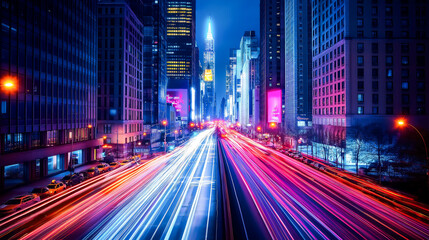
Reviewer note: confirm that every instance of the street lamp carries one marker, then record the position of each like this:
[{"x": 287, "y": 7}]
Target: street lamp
[
  {"x": 273, "y": 126},
  {"x": 402, "y": 123},
  {"x": 164, "y": 123}
]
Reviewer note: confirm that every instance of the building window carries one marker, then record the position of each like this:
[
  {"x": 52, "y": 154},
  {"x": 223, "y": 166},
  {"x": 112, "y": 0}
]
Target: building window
[
  {"x": 389, "y": 47},
  {"x": 375, "y": 86},
  {"x": 374, "y": 47},
  {"x": 405, "y": 60},
  {"x": 374, "y": 110},
  {"x": 375, "y": 73},
  {"x": 360, "y": 60},
  {"x": 405, "y": 99},
  {"x": 360, "y": 73},
  {"x": 405, "y": 73},
  {"x": 360, "y": 85},
  {"x": 421, "y": 61},
  {"x": 360, "y": 110},
  {"x": 374, "y": 98},
  {"x": 405, "y": 48},
  {"x": 420, "y": 86},
  {"x": 389, "y": 73},
  {"x": 404, "y": 86},
  {"x": 389, "y": 98},
  {"x": 360, "y": 47},
  {"x": 360, "y": 22},
  {"x": 389, "y": 60},
  {"x": 360, "y": 98},
  {"x": 374, "y": 61},
  {"x": 389, "y": 110},
  {"x": 389, "y": 86}
]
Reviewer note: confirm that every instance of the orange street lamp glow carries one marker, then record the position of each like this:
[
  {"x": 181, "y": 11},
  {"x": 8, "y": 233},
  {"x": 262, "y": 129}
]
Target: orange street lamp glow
[
  {"x": 144, "y": 134},
  {"x": 164, "y": 122},
  {"x": 273, "y": 125},
  {"x": 192, "y": 124},
  {"x": 8, "y": 84},
  {"x": 104, "y": 137},
  {"x": 258, "y": 129},
  {"x": 400, "y": 122},
  {"x": 89, "y": 126},
  {"x": 176, "y": 132}
]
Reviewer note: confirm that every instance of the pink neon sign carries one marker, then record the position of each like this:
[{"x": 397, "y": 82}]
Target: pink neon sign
[{"x": 274, "y": 110}]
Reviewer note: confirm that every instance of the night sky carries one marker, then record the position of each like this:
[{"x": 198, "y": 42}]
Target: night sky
[{"x": 230, "y": 18}]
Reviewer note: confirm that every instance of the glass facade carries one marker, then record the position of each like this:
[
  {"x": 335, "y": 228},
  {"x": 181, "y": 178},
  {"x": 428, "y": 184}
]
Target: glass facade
[{"x": 49, "y": 52}]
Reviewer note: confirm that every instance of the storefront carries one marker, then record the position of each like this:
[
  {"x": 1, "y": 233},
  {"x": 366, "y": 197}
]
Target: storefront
[
  {"x": 13, "y": 175},
  {"x": 55, "y": 164}
]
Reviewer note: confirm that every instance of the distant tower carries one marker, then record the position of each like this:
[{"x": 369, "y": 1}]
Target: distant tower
[{"x": 209, "y": 76}]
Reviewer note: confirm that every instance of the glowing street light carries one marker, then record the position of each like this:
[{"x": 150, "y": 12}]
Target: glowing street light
[
  {"x": 89, "y": 126},
  {"x": 8, "y": 83},
  {"x": 164, "y": 123},
  {"x": 259, "y": 129},
  {"x": 402, "y": 123},
  {"x": 144, "y": 134},
  {"x": 273, "y": 125}
]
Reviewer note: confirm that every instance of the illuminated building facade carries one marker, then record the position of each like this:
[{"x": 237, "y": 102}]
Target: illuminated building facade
[
  {"x": 51, "y": 110},
  {"x": 298, "y": 65},
  {"x": 272, "y": 66},
  {"x": 209, "y": 76},
  {"x": 181, "y": 62},
  {"x": 120, "y": 71}
]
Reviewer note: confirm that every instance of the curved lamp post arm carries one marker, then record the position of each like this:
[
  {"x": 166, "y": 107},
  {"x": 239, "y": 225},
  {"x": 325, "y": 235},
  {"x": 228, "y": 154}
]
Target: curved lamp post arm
[{"x": 423, "y": 139}]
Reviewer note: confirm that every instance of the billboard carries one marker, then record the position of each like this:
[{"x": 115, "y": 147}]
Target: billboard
[
  {"x": 208, "y": 75},
  {"x": 274, "y": 110},
  {"x": 179, "y": 99}
]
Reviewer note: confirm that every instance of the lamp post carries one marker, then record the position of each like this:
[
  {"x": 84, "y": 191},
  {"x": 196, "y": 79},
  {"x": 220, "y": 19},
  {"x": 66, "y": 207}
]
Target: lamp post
[
  {"x": 164, "y": 123},
  {"x": 273, "y": 126},
  {"x": 402, "y": 123}
]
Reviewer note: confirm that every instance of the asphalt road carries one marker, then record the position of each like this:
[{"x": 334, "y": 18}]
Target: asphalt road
[
  {"x": 272, "y": 196},
  {"x": 172, "y": 196}
]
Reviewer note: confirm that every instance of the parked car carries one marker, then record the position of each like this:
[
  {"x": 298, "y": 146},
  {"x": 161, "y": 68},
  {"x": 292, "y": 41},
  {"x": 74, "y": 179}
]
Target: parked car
[
  {"x": 17, "y": 203},
  {"x": 103, "y": 167},
  {"x": 56, "y": 187},
  {"x": 42, "y": 192},
  {"x": 92, "y": 172},
  {"x": 71, "y": 180},
  {"x": 114, "y": 165}
]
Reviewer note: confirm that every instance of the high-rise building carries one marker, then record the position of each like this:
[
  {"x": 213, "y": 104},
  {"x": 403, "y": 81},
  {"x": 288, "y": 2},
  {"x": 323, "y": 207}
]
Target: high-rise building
[
  {"x": 272, "y": 60},
  {"x": 298, "y": 61},
  {"x": 247, "y": 62},
  {"x": 209, "y": 76},
  {"x": 120, "y": 71},
  {"x": 230, "y": 85},
  {"x": 369, "y": 68},
  {"x": 181, "y": 62},
  {"x": 48, "y": 74},
  {"x": 369, "y": 65},
  {"x": 154, "y": 62}
]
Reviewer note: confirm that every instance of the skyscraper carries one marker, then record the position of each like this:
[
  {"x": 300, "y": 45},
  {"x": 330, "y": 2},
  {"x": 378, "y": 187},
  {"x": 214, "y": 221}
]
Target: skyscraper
[
  {"x": 298, "y": 65},
  {"x": 230, "y": 85},
  {"x": 370, "y": 65},
  {"x": 272, "y": 32},
  {"x": 248, "y": 64},
  {"x": 154, "y": 61},
  {"x": 181, "y": 62},
  {"x": 120, "y": 98},
  {"x": 209, "y": 76},
  {"x": 369, "y": 68},
  {"x": 51, "y": 108}
]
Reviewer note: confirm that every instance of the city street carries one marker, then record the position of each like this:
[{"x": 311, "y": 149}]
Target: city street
[
  {"x": 274, "y": 196},
  {"x": 172, "y": 196}
]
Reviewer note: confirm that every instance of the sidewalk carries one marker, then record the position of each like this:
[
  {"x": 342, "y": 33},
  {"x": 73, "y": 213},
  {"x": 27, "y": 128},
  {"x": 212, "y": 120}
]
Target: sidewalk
[{"x": 25, "y": 189}]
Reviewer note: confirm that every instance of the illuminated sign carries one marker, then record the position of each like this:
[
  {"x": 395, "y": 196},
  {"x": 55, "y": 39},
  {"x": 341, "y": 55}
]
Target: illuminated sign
[
  {"x": 274, "y": 109},
  {"x": 208, "y": 75},
  {"x": 179, "y": 99}
]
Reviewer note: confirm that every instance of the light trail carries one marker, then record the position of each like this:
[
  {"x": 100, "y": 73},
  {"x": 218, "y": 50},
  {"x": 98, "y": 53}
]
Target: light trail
[
  {"x": 169, "y": 196},
  {"x": 296, "y": 201}
]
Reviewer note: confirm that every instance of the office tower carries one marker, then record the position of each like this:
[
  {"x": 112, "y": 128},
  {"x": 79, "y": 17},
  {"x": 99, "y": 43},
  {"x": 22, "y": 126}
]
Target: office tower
[
  {"x": 120, "y": 92},
  {"x": 369, "y": 65},
  {"x": 298, "y": 61},
  {"x": 48, "y": 90},
  {"x": 181, "y": 53},
  {"x": 230, "y": 85},
  {"x": 247, "y": 62},
  {"x": 154, "y": 62},
  {"x": 209, "y": 76},
  {"x": 272, "y": 32}
]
